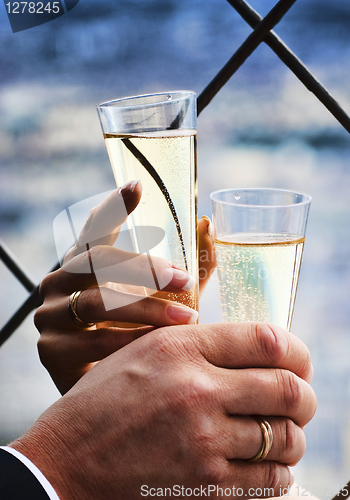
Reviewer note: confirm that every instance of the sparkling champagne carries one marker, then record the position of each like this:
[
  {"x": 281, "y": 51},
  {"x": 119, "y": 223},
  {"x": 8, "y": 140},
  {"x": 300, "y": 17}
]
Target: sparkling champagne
[
  {"x": 258, "y": 276},
  {"x": 165, "y": 163}
]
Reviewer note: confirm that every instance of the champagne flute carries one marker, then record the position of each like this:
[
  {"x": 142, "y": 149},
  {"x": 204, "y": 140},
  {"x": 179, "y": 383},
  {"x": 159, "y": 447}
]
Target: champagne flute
[
  {"x": 259, "y": 242},
  {"x": 152, "y": 138}
]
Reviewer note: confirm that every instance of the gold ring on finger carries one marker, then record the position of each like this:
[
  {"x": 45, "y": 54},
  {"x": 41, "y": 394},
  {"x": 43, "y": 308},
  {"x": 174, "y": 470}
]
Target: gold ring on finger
[
  {"x": 72, "y": 309},
  {"x": 267, "y": 439}
]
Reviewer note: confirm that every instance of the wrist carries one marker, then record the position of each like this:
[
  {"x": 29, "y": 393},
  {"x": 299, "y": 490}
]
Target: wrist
[
  {"x": 51, "y": 456},
  {"x": 29, "y": 474}
]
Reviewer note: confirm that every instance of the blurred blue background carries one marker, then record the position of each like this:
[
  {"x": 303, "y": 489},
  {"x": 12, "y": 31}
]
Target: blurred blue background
[{"x": 263, "y": 129}]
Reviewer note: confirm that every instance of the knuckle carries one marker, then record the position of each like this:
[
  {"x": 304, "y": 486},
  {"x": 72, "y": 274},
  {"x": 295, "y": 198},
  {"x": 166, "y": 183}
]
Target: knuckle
[
  {"x": 75, "y": 250},
  {"x": 272, "y": 474},
  {"x": 46, "y": 285},
  {"x": 306, "y": 366},
  {"x": 175, "y": 341},
  {"x": 291, "y": 392},
  {"x": 40, "y": 317},
  {"x": 291, "y": 438},
  {"x": 43, "y": 288},
  {"x": 271, "y": 342},
  {"x": 192, "y": 396},
  {"x": 163, "y": 345},
  {"x": 162, "y": 339},
  {"x": 44, "y": 346},
  {"x": 211, "y": 471},
  {"x": 77, "y": 263},
  {"x": 88, "y": 223},
  {"x": 199, "y": 390},
  {"x": 203, "y": 436},
  {"x": 90, "y": 217},
  {"x": 294, "y": 443}
]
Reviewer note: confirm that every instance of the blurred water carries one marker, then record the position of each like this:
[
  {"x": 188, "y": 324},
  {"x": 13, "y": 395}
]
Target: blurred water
[{"x": 263, "y": 129}]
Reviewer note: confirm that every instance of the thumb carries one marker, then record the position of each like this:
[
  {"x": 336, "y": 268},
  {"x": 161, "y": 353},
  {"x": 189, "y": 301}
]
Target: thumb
[{"x": 103, "y": 224}]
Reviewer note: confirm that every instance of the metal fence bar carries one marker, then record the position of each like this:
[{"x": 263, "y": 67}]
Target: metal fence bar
[
  {"x": 31, "y": 303},
  {"x": 293, "y": 63},
  {"x": 14, "y": 266},
  {"x": 244, "y": 51}
]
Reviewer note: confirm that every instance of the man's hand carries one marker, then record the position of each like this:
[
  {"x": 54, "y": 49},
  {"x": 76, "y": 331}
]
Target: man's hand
[{"x": 175, "y": 407}]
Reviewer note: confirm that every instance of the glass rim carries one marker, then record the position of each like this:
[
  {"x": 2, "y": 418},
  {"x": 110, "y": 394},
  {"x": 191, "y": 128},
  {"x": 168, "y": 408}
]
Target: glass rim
[
  {"x": 119, "y": 102},
  {"x": 307, "y": 198}
]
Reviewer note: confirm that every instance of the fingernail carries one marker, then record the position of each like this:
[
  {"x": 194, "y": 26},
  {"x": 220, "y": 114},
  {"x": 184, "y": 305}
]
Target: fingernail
[
  {"x": 190, "y": 283},
  {"x": 181, "y": 314},
  {"x": 179, "y": 279},
  {"x": 210, "y": 225},
  {"x": 128, "y": 188}
]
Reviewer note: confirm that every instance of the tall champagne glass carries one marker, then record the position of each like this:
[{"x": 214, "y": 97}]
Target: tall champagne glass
[
  {"x": 259, "y": 241},
  {"x": 152, "y": 138}
]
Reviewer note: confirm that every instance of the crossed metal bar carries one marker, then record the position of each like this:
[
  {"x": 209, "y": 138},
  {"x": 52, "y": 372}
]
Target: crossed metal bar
[{"x": 262, "y": 32}]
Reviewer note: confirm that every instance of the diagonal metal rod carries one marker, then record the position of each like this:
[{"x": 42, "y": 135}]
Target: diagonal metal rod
[
  {"x": 31, "y": 303},
  {"x": 293, "y": 63},
  {"x": 245, "y": 50},
  {"x": 14, "y": 266},
  {"x": 344, "y": 493}
]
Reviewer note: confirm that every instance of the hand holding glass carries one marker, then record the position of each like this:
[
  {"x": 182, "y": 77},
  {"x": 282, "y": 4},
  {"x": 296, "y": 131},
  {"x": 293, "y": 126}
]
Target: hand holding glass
[{"x": 259, "y": 241}]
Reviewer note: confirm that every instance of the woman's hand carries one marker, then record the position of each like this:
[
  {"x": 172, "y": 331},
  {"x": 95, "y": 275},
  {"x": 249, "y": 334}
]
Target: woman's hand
[{"x": 113, "y": 296}]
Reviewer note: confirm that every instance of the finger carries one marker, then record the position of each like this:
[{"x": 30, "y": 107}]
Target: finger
[
  {"x": 267, "y": 392},
  {"x": 69, "y": 355},
  {"x": 105, "y": 304},
  {"x": 104, "y": 221},
  {"x": 245, "y": 345},
  {"x": 242, "y": 439},
  {"x": 206, "y": 254},
  {"x": 260, "y": 480},
  {"x": 65, "y": 350},
  {"x": 103, "y": 264}
]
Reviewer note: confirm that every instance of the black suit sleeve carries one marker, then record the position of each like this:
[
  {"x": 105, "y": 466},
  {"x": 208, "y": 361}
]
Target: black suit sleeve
[{"x": 17, "y": 482}]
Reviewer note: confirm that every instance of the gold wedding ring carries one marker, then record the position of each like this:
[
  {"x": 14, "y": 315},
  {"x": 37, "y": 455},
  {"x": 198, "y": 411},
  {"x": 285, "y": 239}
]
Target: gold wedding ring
[
  {"x": 72, "y": 309},
  {"x": 266, "y": 441}
]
